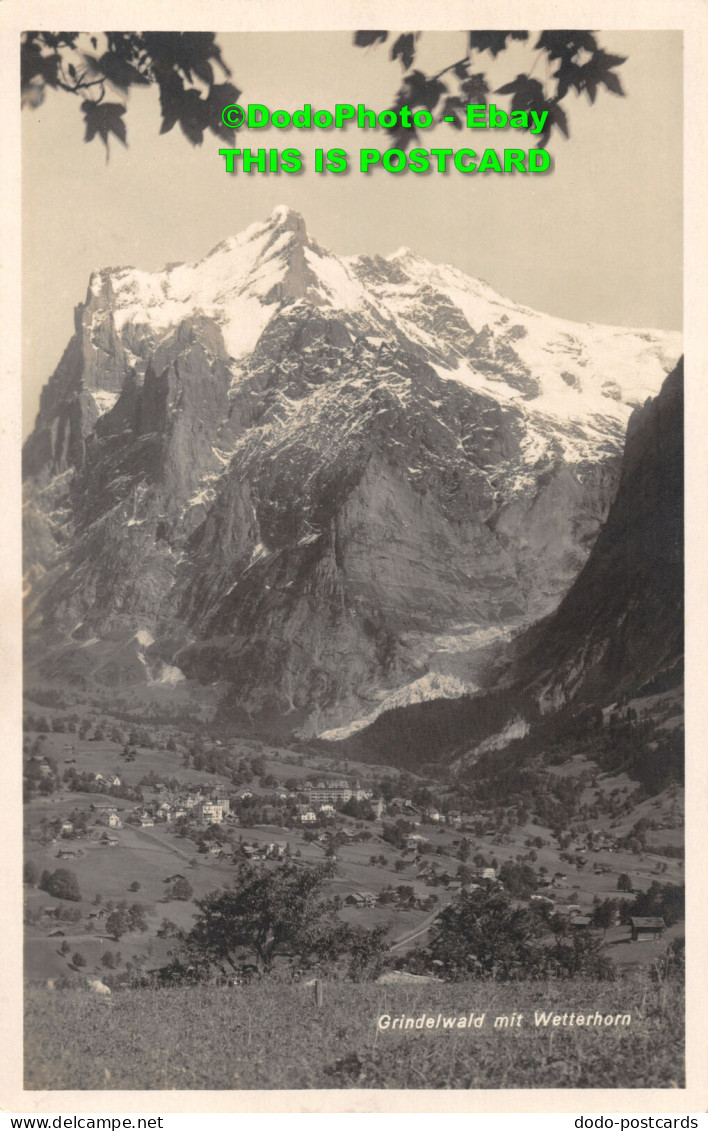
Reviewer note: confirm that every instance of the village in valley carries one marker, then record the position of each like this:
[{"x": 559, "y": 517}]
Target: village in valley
[{"x": 128, "y": 826}]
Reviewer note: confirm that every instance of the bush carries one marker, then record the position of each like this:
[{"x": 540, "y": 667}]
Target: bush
[
  {"x": 181, "y": 889},
  {"x": 672, "y": 963},
  {"x": 62, "y": 884},
  {"x": 30, "y": 873}
]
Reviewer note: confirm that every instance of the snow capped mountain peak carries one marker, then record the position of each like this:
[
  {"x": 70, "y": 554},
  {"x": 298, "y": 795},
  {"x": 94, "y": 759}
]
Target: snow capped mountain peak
[
  {"x": 457, "y": 323},
  {"x": 284, "y": 217},
  {"x": 403, "y": 252}
]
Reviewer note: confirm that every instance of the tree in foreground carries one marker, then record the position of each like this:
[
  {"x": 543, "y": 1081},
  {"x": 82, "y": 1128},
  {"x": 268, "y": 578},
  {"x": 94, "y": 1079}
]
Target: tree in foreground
[
  {"x": 277, "y": 913},
  {"x": 571, "y": 60},
  {"x": 100, "y": 69},
  {"x": 483, "y": 935}
]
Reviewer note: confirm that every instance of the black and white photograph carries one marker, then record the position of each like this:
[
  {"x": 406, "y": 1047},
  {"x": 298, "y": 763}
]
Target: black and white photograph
[{"x": 352, "y": 705}]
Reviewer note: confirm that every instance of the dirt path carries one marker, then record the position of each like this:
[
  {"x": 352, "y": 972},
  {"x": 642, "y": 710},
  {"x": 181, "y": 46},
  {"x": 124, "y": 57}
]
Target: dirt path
[
  {"x": 163, "y": 843},
  {"x": 408, "y": 937}
]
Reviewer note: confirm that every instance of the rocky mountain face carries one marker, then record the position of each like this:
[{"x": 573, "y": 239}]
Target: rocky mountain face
[
  {"x": 316, "y": 479},
  {"x": 620, "y": 627},
  {"x": 616, "y": 638}
]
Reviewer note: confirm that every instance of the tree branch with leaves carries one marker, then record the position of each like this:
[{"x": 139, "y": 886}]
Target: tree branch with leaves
[
  {"x": 102, "y": 68},
  {"x": 574, "y": 62}
]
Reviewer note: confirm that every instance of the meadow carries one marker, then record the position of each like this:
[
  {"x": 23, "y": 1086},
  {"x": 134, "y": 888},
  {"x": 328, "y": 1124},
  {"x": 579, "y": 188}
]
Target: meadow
[{"x": 274, "y": 1036}]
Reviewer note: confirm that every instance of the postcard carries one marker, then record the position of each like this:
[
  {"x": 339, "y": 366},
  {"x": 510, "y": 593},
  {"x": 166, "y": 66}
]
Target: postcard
[{"x": 350, "y": 364}]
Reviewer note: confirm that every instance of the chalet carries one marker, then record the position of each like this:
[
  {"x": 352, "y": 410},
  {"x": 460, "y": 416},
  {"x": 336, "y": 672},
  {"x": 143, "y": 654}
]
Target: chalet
[
  {"x": 414, "y": 839},
  {"x": 215, "y": 850},
  {"x": 110, "y": 818},
  {"x": 542, "y": 900},
  {"x": 360, "y": 899},
  {"x": 146, "y": 820},
  {"x": 489, "y": 873},
  {"x": 646, "y": 928},
  {"x": 276, "y": 851},
  {"x": 327, "y": 808},
  {"x": 67, "y": 827},
  {"x": 580, "y": 922},
  {"x": 307, "y": 816}
]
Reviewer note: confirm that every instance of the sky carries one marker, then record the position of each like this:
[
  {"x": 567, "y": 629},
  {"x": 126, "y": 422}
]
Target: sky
[{"x": 599, "y": 238}]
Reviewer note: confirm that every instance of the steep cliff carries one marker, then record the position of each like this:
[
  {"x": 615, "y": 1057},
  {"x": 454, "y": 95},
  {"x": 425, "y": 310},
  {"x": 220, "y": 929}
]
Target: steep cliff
[{"x": 620, "y": 627}]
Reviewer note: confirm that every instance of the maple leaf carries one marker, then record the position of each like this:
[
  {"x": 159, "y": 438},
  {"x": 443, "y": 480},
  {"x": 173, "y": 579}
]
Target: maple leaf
[
  {"x": 493, "y": 41},
  {"x": 102, "y": 119},
  {"x": 404, "y": 48},
  {"x": 367, "y": 38}
]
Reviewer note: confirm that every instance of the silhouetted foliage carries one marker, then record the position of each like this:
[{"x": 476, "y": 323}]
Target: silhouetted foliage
[
  {"x": 102, "y": 68},
  {"x": 572, "y": 60}
]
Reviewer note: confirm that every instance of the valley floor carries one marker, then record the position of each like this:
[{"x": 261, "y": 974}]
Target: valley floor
[{"x": 273, "y": 1036}]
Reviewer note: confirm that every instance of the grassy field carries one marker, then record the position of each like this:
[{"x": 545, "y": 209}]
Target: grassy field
[{"x": 274, "y": 1036}]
